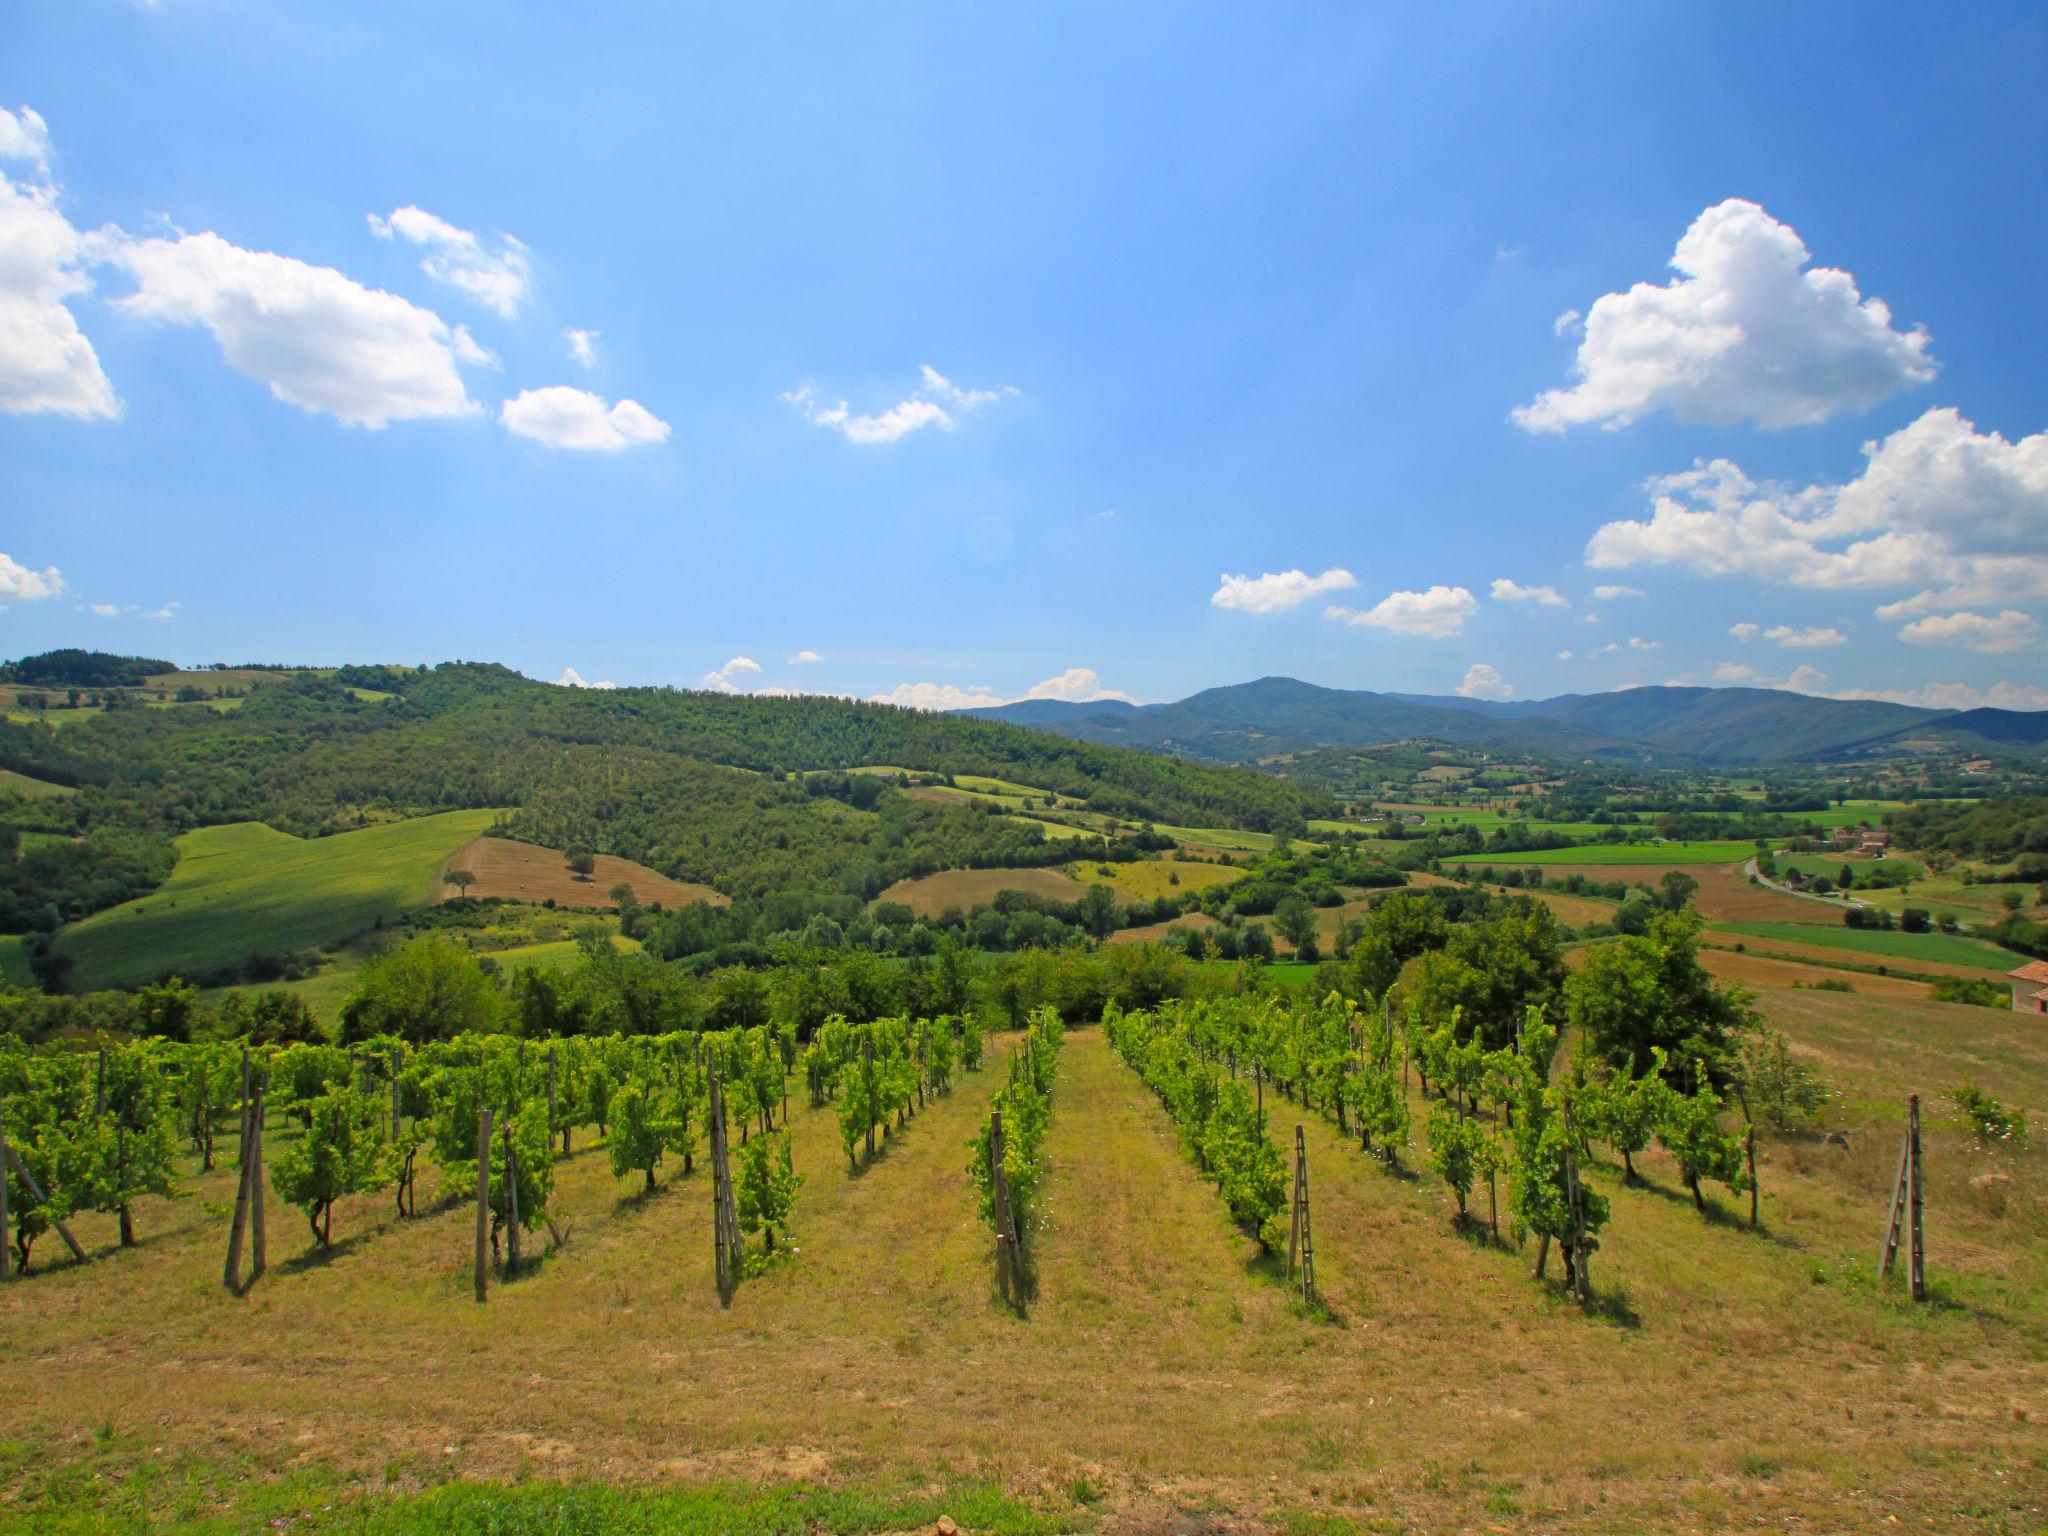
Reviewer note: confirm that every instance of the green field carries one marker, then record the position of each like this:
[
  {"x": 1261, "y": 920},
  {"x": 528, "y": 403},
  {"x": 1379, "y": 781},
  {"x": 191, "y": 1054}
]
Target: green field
[
  {"x": 1618, "y": 853},
  {"x": 12, "y": 783},
  {"x": 246, "y": 887},
  {"x": 1225, "y": 837},
  {"x": 54, "y": 717},
  {"x": 14, "y": 962},
  {"x": 1823, "y": 864},
  {"x": 1947, "y": 948}
]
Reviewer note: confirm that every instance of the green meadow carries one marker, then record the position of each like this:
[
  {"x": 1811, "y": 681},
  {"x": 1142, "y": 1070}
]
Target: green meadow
[
  {"x": 12, "y": 783},
  {"x": 1710, "y": 852},
  {"x": 248, "y": 886},
  {"x": 1947, "y": 948}
]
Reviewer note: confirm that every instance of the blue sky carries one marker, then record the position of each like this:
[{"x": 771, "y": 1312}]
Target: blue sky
[{"x": 974, "y": 351}]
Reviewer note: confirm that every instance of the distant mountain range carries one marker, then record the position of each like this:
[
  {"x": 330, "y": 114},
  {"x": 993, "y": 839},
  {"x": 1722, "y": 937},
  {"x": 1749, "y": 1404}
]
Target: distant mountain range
[{"x": 1249, "y": 722}]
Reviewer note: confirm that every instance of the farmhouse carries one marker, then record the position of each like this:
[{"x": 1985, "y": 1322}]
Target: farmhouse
[{"x": 2030, "y": 987}]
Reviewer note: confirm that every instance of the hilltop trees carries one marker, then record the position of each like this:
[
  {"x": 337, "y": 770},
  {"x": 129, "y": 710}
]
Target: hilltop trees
[
  {"x": 1640, "y": 995},
  {"x": 430, "y": 989}
]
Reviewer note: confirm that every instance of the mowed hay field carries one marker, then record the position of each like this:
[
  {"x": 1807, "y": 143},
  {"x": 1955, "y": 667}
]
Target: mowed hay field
[
  {"x": 929, "y": 895},
  {"x": 1149, "y": 879},
  {"x": 1726, "y": 1379},
  {"x": 12, "y": 783},
  {"x": 248, "y": 886},
  {"x": 524, "y": 872}
]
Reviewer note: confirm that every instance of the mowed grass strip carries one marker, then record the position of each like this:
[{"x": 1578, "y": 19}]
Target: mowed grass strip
[
  {"x": 1943, "y": 948},
  {"x": 1705, "y": 852},
  {"x": 248, "y": 886},
  {"x": 12, "y": 783}
]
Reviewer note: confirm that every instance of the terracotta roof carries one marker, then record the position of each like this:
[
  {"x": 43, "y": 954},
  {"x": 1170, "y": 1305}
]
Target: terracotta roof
[{"x": 2033, "y": 970}]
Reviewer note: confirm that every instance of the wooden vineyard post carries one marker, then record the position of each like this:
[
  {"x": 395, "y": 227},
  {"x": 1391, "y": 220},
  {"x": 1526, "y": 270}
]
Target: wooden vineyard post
[
  {"x": 1008, "y": 1269},
  {"x": 6, "y": 1259},
  {"x": 1301, "y": 1248},
  {"x": 1916, "y": 1262},
  {"x": 512, "y": 1245},
  {"x": 231, "y": 1274},
  {"x": 483, "y": 1204},
  {"x": 258, "y": 1231},
  {"x": 725, "y": 1226},
  {"x": 1749, "y": 1152},
  {"x": 551, "y": 1104},
  {"x": 1903, "y": 1222},
  {"x": 28, "y": 1182},
  {"x": 1582, "y": 1281},
  {"x": 867, "y": 1057}
]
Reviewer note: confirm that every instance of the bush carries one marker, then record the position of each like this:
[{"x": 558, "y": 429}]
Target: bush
[{"x": 1962, "y": 989}]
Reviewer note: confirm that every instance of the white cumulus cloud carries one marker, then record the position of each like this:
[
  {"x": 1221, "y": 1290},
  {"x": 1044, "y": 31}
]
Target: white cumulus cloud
[
  {"x": 1506, "y": 591},
  {"x": 938, "y": 696},
  {"x": 1742, "y": 334},
  {"x": 501, "y": 280},
  {"x": 1787, "y": 638},
  {"x": 1436, "y": 614},
  {"x": 805, "y": 658},
  {"x": 1078, "y": 685},
  {"x": 1278, "y": 591},
  {"x": 1956, "y": 696},
  {"x": 724, "y": 679},
  {"x": 1610, "y": 594},
  {"x": 23, "y": 584},
  {"x": 46, "y": 362},
  {"x": 582, "y": 346},
  {"x": 1483, "y": 682},
  {"x": 2007, "y": 631},
  {"x": 571, "y": 678},
  {"x": 561, "y": 417},
  {"x": 1939, "y": 506},
  {"x": 936, "y": 402},
  {"x": 319, "y": 339}
]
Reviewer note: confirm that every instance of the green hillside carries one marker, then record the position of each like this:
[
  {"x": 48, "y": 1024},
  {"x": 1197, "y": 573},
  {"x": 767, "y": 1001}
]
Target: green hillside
[{"x": 249, "y": 887}]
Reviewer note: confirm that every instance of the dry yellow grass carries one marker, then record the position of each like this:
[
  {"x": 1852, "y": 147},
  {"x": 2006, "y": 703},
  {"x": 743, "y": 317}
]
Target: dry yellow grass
[
  {"x": 526, "y": 872},
  {"x": 1149, "y": 879},
  {"x": 1729, "y": 1378},
  {"x": 930, "y": 895}
]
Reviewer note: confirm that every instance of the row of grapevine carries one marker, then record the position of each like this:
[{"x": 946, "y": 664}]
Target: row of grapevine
[
  {"x": 97, "y": 1132},
  {"x": 1006, "y": 1157},
  {"x": 880, "y": 1073},
  {"x": 1496, "y": 1116}
]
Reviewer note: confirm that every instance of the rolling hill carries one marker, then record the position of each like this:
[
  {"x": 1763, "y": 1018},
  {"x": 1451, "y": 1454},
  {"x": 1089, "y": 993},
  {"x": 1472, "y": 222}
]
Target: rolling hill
[{"x": 1250, "y": 722}]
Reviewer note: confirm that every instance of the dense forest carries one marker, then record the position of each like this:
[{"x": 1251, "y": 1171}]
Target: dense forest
[
  {"x": 700, "y": 786},
  {"x": 1991, "y": 830}
]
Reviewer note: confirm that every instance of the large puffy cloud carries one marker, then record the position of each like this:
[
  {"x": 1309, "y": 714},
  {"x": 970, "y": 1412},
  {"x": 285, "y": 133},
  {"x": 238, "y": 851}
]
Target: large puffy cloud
[
  {"x": 1963, "y": 515},
  {"x": 46, "y": 362},
  {"x": 1077, "y": 685},
  {"x": 1952, "y": 695},
  {"x": 936, "y": 402},
  {"x": 1483, "y": 682},
  {"x": 318, "y": 338},
  {"x": 24, "y": 584},
  {"x": 571, "y": 678},
  {"x": 500, "y": 279},
  {"x": 2007, "y": 631},
  {"x": 1506, "y": 591},
  {"x": 561, "y": 417},
  {"x": 1278, "y": 591},
  {"x": 1742, "y": 334},
  {"x": 1436, "y": 614}
]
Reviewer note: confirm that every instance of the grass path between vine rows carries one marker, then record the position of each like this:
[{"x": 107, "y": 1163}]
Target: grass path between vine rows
[{"x": 1162, "y": 1373}]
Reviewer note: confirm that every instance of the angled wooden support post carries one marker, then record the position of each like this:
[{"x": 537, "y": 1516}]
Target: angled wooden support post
[
  {"x": 28, "y": 1182},
  {"x": 6, "y": 1258},
  {"x": 1916, "y": 1257},
  {"x": 259, "y": 1252},
  {"x": 483, "y": 1205}
]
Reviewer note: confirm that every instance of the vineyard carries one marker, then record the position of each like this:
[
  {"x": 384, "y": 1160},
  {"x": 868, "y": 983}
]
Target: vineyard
[{"x": 879, "y": 1299}]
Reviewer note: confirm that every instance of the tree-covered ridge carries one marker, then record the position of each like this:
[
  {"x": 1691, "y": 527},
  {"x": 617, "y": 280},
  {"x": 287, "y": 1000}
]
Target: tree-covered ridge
[
  {"x": 74, "y": 668},
  {"x": 699, "y": 786},
  {"x": 1993, "y": 830}
]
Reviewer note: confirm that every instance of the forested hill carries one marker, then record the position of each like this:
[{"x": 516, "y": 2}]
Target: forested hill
[
  {"x": 745, "y": 794},
  {"x": 1250, "y": 722}
]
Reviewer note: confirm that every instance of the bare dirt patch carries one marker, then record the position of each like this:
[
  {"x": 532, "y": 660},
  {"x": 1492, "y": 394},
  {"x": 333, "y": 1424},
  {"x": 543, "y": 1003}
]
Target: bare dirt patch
[
  {"x": 526, "y": 872},
  {"x": 967, "y": 888}
]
